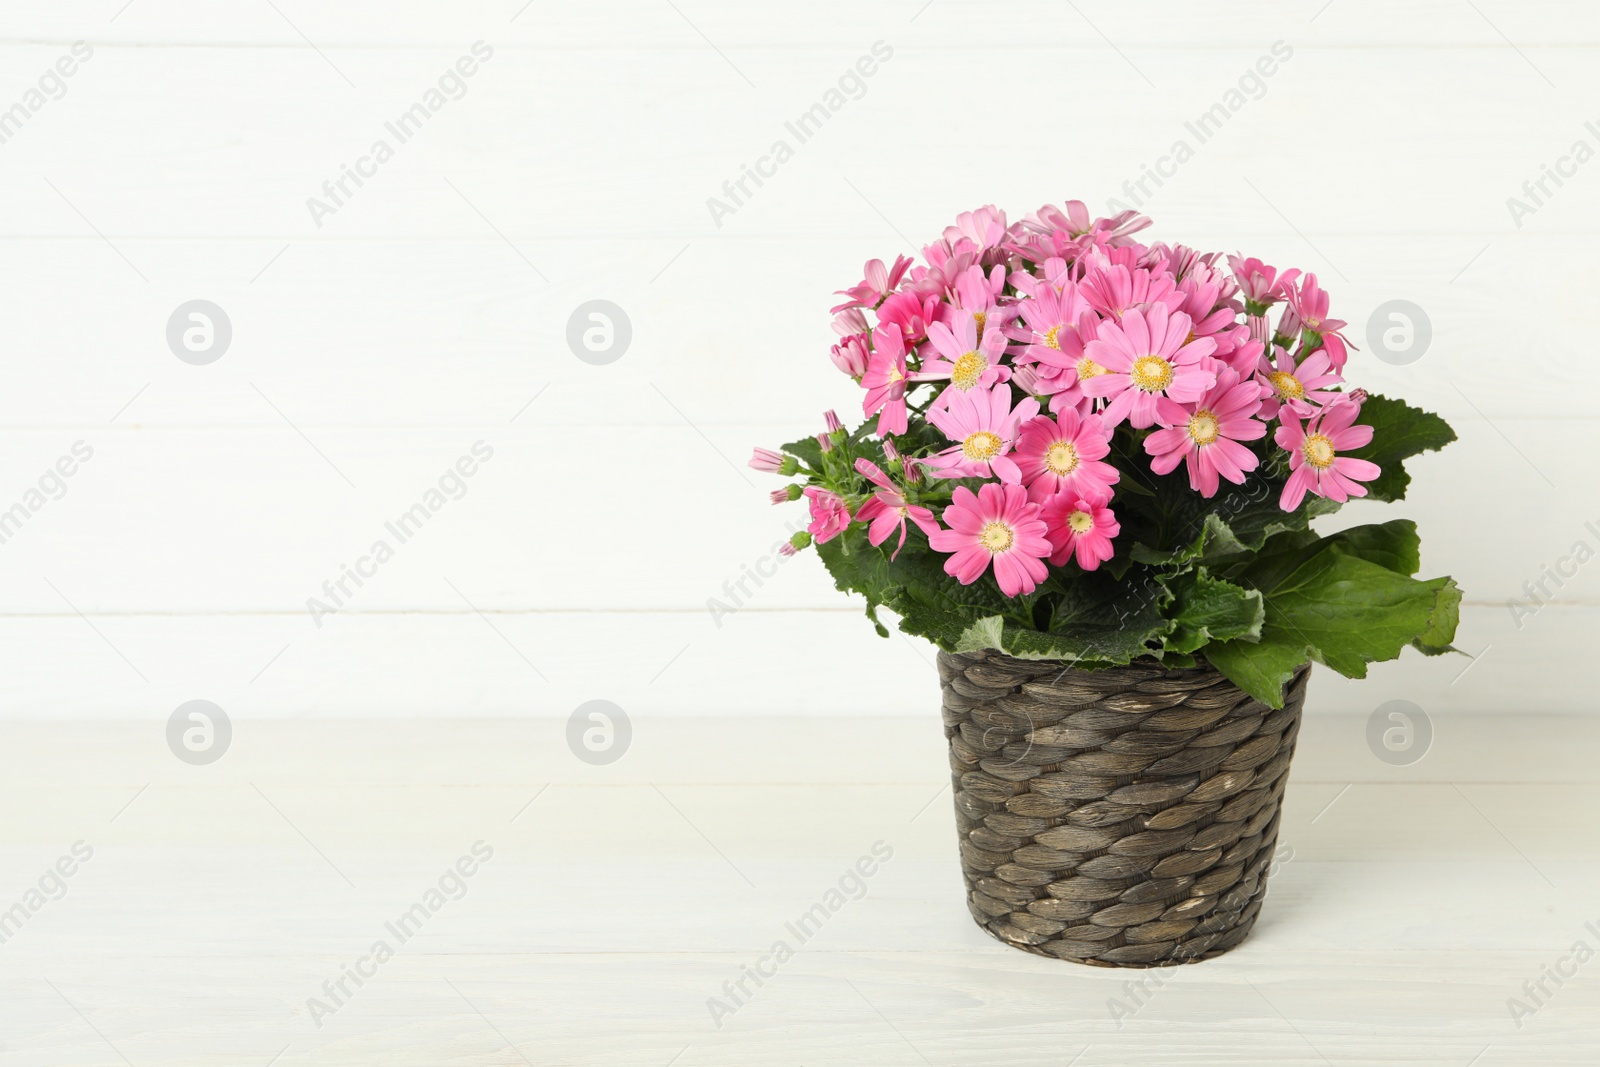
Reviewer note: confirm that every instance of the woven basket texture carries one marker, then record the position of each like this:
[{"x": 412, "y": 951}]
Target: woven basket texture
[{"x": 1123, "y": 817}]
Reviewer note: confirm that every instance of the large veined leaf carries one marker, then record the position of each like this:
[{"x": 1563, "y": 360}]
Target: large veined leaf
[
  {"x": 1399, "y": 431},
  {"x": 1209, "y": 609},
  {"x": 1325, "y": 603}
]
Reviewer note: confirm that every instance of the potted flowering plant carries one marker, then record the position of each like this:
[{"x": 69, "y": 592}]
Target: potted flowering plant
[{"x": 1087, "y": 472}]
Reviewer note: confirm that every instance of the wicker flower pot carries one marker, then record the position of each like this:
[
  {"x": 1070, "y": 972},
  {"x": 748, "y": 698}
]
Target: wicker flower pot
[{"x": 1121, "y": 817}]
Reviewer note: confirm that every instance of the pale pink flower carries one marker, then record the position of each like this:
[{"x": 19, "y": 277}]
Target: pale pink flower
[
  {"x": 885, "y": 381},
  {"x": 829, "y": 516},
  {"x": 878, "y": 283},
  {"x": 1151, "y": 366},
  {"x": 851, "y": 354},
  {"x": 887, "y": 509},
  {"x": 1302, "y": 387},
  {"x": 962, "y": 359},
  {"x": 767, "y": 461},
  {"x": 983, "y": 229},
  {"x": 1063, "y": 455},
  {"x": 1052, "y": 231},
  {"x": 1207, "y": 439},
  {"x": 996, "y": 525},
  {"x": 1115, "y": 290},
  {"x": 984, "y": 426},
  {"x": 1314, "y": 451},
  {"x": 1261, "y": 285},
  {"x": 849, "y": 323},
  {"x": 1079, "y": 528}
]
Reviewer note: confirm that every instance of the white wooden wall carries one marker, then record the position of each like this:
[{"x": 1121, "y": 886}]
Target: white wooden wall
[{"x": 430, "y": 313}]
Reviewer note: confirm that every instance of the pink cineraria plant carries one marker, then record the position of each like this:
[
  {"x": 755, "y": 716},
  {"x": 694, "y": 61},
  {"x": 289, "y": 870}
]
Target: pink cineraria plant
[{"x": 1030, "y": 389}]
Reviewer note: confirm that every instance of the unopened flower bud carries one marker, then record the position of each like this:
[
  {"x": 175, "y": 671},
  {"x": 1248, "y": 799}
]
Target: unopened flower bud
[
  {"x": 825, "y": 441},
  {"x": 831, "y": 417},
  {"x": 767, "y": 461}
]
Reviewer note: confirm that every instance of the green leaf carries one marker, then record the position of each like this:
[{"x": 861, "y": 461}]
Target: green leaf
[
  {"x": 1399, "y": 431},
  {"x": 1207, "y": 609},
  {"x": 1327, "y": 604}
]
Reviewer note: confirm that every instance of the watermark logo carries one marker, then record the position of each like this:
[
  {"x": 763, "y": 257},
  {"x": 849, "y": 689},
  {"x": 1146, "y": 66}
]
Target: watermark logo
[
  {"x": 450, "y": 85},
  {"x": 50, "y": 85},
  {"x": 51, "y": 885},
  {"x": 52, "y": 485},
  {"x": 599, "y": 332},
  {"x": 1399, "y": 733},
  {"x": 1251, "y": 85},
  {"x": 199, "y": 732},
  {"x": 451, "y": 485},
  {"x": 1536, "y": 992},
  {"x": 599, "y": 732},
  {"x": 1539, "y": 591},
  {"x": 199, "y": 332},
  {"x": 1537, "y": 191},
  {"x": 851, "y": 85},
  {"x": 851, "y": 885},
  {"x": 450, "y": 886},
  {"x": 1399, "y": 332}
]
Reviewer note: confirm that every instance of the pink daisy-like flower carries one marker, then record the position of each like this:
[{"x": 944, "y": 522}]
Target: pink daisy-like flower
[
  {"x": 1063, "y": 454},
  {"x": 1302, "y": 387},
  {"x": 1048, "y": 326},
  {"x": 1151, "y": 366},
  {"x": 1310, "y": 304},
  {"x": 1212, "y": 315},
  {"x": 1079, "y": 528},
  {"x": 962, "y": 359},
  {"x": 829, "y": 516},
  {"x": 1208, "y": 438},
  {"x": 885, "y": 380},
  {"x": 1314, "y": 460},
  {"x": 879, "y": 282},
  {"x": 996, "y": 525},
  {"x": 984, "y": 426},
  {"x": 979, "y": 294},
  {"x": 887, "y": 509}
]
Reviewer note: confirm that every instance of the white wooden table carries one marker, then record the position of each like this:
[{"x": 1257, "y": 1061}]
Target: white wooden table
[{"x": 1410, "y": 903}]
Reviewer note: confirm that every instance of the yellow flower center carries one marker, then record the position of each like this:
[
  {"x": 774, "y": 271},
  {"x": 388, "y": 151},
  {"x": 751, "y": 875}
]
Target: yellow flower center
[
  {"x": 967, "y": 370},
  {"x": 1286, "y": 385},
  {"x": 1203, "y": 427},
  {"x": 978, "y": 319},
  {"x": 1061, "y": 457},
  {"x": 982, "y": 446},
  {"x": 1319, "y": 451},
  {"x": 1088, "y": 368},
  {"x": 1151, "y": 373},
  {"x": 895, "y": 375},
  {"x": 1080, "y": 522},
  {"x": 1052, "y": 336},
  {"x": 997, "y": 536}
]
